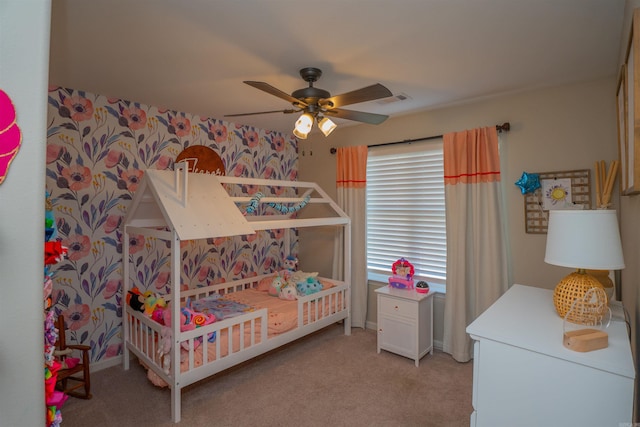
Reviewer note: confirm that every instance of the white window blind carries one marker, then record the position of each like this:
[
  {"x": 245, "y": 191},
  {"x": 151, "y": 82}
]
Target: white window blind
[{"x": 406, "y": 210}]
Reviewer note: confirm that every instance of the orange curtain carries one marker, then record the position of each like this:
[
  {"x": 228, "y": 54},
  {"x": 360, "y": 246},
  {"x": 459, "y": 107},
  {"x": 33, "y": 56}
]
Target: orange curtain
[
  {"x": 352, "y": 167},
  {"x": 471, "y": 156}
]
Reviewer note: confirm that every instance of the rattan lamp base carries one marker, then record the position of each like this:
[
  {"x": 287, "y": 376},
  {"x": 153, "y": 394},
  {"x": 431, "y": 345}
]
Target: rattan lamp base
[{"x": 572, "y": 287}]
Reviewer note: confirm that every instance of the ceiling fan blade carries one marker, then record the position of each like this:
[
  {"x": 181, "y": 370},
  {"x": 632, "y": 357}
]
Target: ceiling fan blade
[
  {"x": 276, "y": 92},
  {"x": 359, "y": 116},
  {"x": 262, "y": 112},
  {"x": 368, "y": 93}
]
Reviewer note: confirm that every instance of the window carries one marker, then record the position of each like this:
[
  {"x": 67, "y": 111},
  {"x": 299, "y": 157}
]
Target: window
[{"x": 406, "y": 210}]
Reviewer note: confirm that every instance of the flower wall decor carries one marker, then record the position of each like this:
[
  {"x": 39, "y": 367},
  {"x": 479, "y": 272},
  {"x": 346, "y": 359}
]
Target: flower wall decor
[{"x": 98, "y": 149}]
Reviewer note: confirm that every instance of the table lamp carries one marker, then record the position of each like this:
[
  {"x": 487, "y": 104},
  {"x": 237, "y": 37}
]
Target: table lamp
[{"x": 581, "y": 239}]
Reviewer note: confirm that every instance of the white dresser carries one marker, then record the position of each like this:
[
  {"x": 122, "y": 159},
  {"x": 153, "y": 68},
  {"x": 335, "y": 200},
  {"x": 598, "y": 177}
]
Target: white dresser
[
  {"x": 524, "y": 376},
  {"x": 405, "y": 322}
]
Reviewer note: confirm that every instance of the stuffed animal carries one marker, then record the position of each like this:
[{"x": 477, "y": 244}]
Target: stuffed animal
[
  {"x": 288, "y": 292},
  {"x": 190, "y": 320},
  {"x": 166, "y": 318},
  {"x": 184, "y": 323},
  {"x": 276, "y": 286},
  {"x": 54, "y": 252},
  {"x": 308, "y": 287},
  {"x": 135, "y": 299},
  {"x": 198, "y": 319},
  {"x": 164, "y": 350},
  {"x": 158, "y": 315},
  {"x": 291, "y": 263},
  {"x": 151, "y": 302}
]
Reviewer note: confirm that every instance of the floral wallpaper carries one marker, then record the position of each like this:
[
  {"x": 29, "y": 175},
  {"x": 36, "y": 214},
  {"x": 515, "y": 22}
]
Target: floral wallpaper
[{"x": 98, "y": 149}]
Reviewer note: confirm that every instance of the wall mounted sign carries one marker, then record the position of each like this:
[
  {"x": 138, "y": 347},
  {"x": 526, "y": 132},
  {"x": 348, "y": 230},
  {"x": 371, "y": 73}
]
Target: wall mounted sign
[
  {"x": 10, "y": 135},
  {"x": 202, "y": 159},
  {"x": 559, "y": 190}
]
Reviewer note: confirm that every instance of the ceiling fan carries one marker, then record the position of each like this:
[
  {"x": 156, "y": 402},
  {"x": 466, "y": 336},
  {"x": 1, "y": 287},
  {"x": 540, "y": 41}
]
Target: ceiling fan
[{"x": 318, "y": 104}]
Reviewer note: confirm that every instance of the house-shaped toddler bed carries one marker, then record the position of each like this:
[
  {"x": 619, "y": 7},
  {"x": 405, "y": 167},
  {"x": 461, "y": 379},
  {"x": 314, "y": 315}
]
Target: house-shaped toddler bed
[{"x": 175, "y": 206}]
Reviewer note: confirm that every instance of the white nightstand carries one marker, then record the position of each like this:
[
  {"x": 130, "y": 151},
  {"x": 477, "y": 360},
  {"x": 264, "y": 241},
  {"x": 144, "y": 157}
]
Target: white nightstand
[{"x": 405, "y": 322}]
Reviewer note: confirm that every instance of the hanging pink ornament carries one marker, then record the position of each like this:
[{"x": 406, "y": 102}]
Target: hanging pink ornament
[{"x": 10, "y": 136}]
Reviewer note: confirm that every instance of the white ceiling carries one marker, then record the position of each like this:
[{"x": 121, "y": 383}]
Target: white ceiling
[{"x": 193, "y": 55}]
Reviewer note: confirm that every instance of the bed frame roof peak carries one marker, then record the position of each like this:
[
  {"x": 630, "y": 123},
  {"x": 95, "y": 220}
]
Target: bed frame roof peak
[{"x": 198, "y": 206}]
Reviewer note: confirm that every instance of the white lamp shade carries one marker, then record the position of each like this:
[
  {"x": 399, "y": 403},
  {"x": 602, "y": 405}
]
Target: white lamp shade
[
  {"x": 588, "y": 239},
  {"x": 327, "y": 126},
  {"x": 303, "y": 126}
]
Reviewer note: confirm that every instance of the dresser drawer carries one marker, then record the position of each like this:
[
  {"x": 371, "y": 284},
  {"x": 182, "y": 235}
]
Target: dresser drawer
[{"x": 397, "y": 307}]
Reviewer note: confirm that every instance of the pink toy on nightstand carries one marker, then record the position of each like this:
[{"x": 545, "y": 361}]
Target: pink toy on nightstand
[{"x": 402, "y": 274}]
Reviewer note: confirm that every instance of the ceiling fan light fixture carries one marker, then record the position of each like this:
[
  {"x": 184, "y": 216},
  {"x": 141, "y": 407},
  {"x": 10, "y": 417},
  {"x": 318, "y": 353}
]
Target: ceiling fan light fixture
[
  {"x": 303, "y": 126},
  {"x": 326, "y": 125},
  {"x": 314, "y": 102}
]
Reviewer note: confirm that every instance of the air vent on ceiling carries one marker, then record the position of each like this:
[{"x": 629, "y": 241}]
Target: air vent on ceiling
[{"x": 395, "y": 98}]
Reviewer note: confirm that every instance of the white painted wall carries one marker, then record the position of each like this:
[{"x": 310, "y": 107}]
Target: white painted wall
[{"x": 24, "y": 56}]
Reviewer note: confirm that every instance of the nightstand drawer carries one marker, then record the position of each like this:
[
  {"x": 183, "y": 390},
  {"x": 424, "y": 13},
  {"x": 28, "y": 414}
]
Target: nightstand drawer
[{"x": 397, "y": 306}]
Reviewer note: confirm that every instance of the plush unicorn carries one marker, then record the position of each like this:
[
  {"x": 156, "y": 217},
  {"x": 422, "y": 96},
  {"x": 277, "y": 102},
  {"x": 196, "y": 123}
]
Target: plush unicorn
[
  {"x": 276, "y": 285},
  {"x": 288, "y": 292}
]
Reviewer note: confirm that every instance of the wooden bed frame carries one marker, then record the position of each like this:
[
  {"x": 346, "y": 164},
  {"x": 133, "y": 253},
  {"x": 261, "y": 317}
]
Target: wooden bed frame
[{"x": 168, "y": 205}]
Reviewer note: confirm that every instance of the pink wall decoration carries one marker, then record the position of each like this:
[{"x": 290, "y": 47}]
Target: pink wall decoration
[{"x": 10, "y": 136}]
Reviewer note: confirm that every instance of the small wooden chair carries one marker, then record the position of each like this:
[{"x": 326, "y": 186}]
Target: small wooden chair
[{"x": 71, "y": 380}]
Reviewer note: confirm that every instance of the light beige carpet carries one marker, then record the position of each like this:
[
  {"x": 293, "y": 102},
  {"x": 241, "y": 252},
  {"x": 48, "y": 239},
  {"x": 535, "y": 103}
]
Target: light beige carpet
[{"x": 327, "y": 379}]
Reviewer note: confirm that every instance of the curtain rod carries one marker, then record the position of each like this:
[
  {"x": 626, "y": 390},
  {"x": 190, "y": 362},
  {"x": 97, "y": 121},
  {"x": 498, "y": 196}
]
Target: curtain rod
[{"x": 503, "y": 127}]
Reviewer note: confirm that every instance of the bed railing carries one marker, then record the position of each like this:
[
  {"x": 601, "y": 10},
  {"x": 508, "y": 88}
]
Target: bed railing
[
  {"x": 232, "y": 336},
  {"x": 222, "y": 288},
  {"x": 315, "y": 307}
]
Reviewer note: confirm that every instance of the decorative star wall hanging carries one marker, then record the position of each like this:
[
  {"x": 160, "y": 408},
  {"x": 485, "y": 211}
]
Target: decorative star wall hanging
[{"x": 528, "y": 182}]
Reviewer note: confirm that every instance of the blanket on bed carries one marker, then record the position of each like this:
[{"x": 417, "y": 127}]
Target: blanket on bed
[{"x": 220, "y": 307}]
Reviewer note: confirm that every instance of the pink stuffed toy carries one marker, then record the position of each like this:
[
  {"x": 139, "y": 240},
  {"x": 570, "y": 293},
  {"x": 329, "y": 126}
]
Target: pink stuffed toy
[
  {"x": 195, "y": 319},
  {"x": 166, "y": 317},
  {"x": 158, "y": 315},
  {"x": 189, "y": 320}
]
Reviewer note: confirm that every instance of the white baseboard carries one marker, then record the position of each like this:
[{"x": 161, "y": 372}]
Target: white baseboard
[{"x": 372, "y": 325}]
